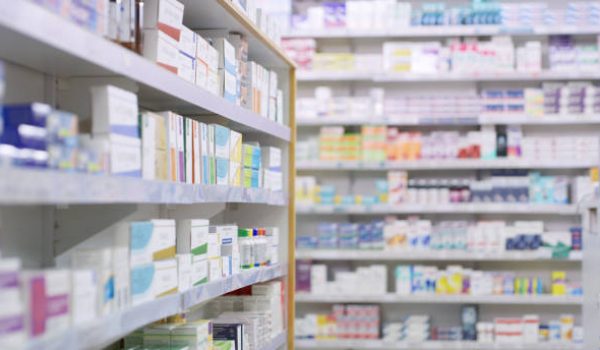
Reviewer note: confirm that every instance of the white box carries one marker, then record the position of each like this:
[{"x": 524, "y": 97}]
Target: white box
[
  {"x": 228, "y": 85},
  {"x": 192, "y": 237},
  {"x": 166, "y": 16},
  {"x": 279, "y": 116},
  {"x": 83, "y": 296},
  {"x": 226, "y": 51},
  {"x": 199, "y": 272},
  {"x": 215, "y": 270},
  {"x": 151, "y": 241},
  {"x": 196, "y": 155},
  {"x": 201, "y": 74},
  {"x": 142, "y": 280},
  {"x": 214, "y": 243},
  {"x": 114, "y": 111},
  {"x": 160, "y": 49},
  {"x": 125, "y": 154},
  {"x": 222, "y": 142},
  {"x": 12, "y": 311},
  {"x": 271, "y": 158},
  {"x": 171, "y": 120},
  {"x": 99, "y": 261},
  {"x": 58, "y": 287},
  {"x": 184, "y": 272},
  {"x": 148, "y": 127},
  {"x": 213, "y": 83},
  {"x": 189, "y": 152},
  {"x": 180, "y": 148},
  {"x": 166, "y": 278},
  {"x": 186, "y": 67},
  {"x": 120, "y": 259},
  {"x": 187, "y": 41}
]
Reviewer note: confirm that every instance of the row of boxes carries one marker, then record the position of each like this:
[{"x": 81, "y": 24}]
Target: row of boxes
[{"x": 141, "y": 261}]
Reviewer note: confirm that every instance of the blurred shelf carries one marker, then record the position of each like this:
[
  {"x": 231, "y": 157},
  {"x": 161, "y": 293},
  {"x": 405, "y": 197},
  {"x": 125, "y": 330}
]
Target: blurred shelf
[
  {"x": 444, "y": 164},
  {"x": 433, "y": 345},
  {"x": 277, "y": 342},
  {"x": 382, "y": 77},
  {"x": 37, "y": 186},
  {"x": 440, "y": 31},
  {"x": 409, "y": 120},
  {"x": 200, "y": 294},
  {"x": 458, "y": 208},
  {"x": 224, "y": 14},
  {"x": 102, "y": 332},
  {"x": 43, "y": 41},
  {"x": 430, "y": 255},
  {"x": 441, "y": 299}
]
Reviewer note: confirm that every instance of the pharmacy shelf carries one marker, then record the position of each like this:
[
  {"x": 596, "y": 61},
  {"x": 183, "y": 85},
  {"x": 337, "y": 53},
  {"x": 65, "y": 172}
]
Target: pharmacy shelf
[
  {"x": 440, "y": 31},
  {"x": 36, "y": 186},
  {"x": 205, "y": 292},
  {"x": 441, "y": 164},
  {"x": 429, "y": 255},
  {"x": 381, "y": 77},
  {"x": 43, "y": 41},
  {"x": 441, "y": 299},
  {"x": 457, "y": 208},
  {"x": 429, "y": 345},
  {"x": 277, "y": 343},
  {"x": 224, "y": 14},
  {"x": 100, "y": 333},
  {"x": 416, "y": 120}
]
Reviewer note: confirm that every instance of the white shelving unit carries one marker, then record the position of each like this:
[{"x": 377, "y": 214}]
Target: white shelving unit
[
  {"x": 351, "y": 177},
  {"x": 433, "y": 345},
  {"x": 45, "y": 213}
]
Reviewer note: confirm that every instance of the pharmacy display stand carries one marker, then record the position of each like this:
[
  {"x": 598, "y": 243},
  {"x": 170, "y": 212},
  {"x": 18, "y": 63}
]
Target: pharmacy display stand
[
  {"x": 358, "y": 177},
  {"x": 44, "y": 213}
]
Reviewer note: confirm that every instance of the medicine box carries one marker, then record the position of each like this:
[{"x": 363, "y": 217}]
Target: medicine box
[
  {"x": 228, "y": 86},
  {"x": 125, "y": 154},
  {"x": 195, "y": 335},
  {"x": 222, "y": 141},
  {"x": 12, "y": 311},
  {"x": 226, "y": 51},
  {"x": 271, "y": 158},
  {"x": 188, "y": 151},
  {"x": 171, "y": 120},
  {"x": 47, "y": 291},
  {"x": 159, "y": 48},
  {"x": 188, "y": 42},
  {"x": 99, "y": 261},
  {"x": 114, "y": 111},
  {"x": 186, "y": 67},
  {"x": 151, "y": 241},
  {"x": 222, "y": 171},
  {"x": 158, "y": 336},
  {"x": 83, "y": 296},
  {"x": 215, "y": 270},
  {"x": 180, "y": 148},
  {"x": 199, "y": 272},
  {"x": 192, "y": 237},
  {"x": 235, "y": 146},
  {"x": 166, "y": 16},
  {"x": 184, "y": 272},
  {"x": 196, "y": 155},
  {"x": 235, "y": 173},
  {"x": 153, "y": 280},
  {"x": 205, "y": 159}
]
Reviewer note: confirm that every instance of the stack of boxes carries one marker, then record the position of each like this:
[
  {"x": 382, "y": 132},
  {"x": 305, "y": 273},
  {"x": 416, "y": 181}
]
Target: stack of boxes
[
  {"x": 115, "y": 121},
  {"x": 155, "y": 146},
  {"x": 221, "y": 153},
  {"x": 152, "y": 260},
  {"x": 207, "y": 65},
  {"x": 192, "y": 250},
  {"x": 163, "y": 23},
  {"x": 227, "y": 69}
]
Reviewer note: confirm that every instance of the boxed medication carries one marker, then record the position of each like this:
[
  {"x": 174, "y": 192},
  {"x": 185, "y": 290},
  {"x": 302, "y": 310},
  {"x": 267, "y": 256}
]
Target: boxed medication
[
  {"x": 227, "y": 69},
  {"x": 188, "y": 151},
  {"x": 187, "y": 42},
  {"x": 171, "y": 126},
  {"x": 199, "y": 272},
  {"x": 165, "y": 16},
  {"x": 125, "y": 154},
  {"x": 271, "y": 158},
  {"x": 154, "y": 146},
  {"x": 159, "y": 48},
  {"x": 195, "y": 335},
  {"x": 196, "y": 155},
  {"x": 192, "y": 237},
  {"x": 215, "y": 269},
  {"x": 166, "y": 277},
  {"x": 151, "y": 241},
  {"x": 186, "y": 67},
  {"x": 47, "y": 301},
  {"x": 153, "y": 280},
  {"x": 83, "y": 296},
  {"x": 114, "y": 111},
  {"x": 12, "y": 312},
  {"x": 184, "y": 272},
  {"x": 158, "y": 335},
  {"x": 100, "y": 261}
]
